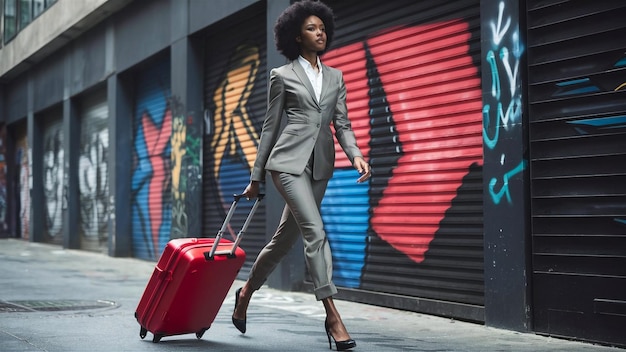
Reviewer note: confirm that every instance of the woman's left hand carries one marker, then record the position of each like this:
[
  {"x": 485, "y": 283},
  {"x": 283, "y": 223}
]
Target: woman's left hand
[{"x": 363, "y": 168}]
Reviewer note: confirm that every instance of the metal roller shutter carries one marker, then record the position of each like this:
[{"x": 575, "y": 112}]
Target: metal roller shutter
[
  {"x": 577, "y": 111},
  {"x": 151, "y": 183},
  {"x": 414, "y": 99},
  {"x": 53, "y": 173},
  {"x": 235, "y": 97},
  {"x": 22, "y": 162},
  {"x": 93, "y": 173}
]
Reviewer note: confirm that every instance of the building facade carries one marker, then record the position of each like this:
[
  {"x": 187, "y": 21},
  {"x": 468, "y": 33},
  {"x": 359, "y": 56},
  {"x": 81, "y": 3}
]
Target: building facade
[{"x": 495, "y": 130}]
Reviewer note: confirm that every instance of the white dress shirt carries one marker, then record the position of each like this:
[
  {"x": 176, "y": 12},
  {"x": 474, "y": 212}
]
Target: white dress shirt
[{"x": 315, "y": 77}]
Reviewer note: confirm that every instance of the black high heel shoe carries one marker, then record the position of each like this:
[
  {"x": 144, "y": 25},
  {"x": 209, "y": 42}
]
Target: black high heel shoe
[
  {"x": 240, "y": 324},
  {"x": 340, "y": 345}
]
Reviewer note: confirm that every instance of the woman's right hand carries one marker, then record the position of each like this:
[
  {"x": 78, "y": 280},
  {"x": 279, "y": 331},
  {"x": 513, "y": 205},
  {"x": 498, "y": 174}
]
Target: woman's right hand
[{"x": 252, "y": 190}]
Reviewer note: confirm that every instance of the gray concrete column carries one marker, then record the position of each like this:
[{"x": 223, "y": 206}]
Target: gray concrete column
[
  {"x": 290, "y": 273},
  {"x": 37, "y": 223},
  {"x": 71, "y": 147},
  {"x": 506, "y": 183},
  {"x": 120, "y": 167}
]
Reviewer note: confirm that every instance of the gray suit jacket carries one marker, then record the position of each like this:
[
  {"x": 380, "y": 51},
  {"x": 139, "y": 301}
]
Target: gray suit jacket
[{"x": 307, "y": 128}]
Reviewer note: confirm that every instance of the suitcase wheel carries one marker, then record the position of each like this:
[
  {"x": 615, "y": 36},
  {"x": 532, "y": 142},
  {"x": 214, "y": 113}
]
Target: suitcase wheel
[
  {"x": 156, "y": 338},
  {"x": 200, "y": 333},
  {"x": 143, "y": 332}
]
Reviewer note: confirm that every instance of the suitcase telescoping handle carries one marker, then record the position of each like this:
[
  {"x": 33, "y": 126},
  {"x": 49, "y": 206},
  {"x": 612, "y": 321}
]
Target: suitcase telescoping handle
[{"x": 231, "y": 211}]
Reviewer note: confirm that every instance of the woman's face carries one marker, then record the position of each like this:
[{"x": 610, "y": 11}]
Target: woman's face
[{"x": 312, "y": 36}]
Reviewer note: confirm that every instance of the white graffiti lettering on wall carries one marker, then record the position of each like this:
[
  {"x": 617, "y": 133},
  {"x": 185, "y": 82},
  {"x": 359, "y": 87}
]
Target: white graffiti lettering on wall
[
  {"x": 53, "y": 179},
  {"x": 503, "y": 59},
  {"x": 23, "y": 160}
]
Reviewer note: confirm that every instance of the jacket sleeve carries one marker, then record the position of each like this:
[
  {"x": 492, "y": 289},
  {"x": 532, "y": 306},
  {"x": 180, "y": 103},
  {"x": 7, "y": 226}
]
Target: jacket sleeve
[
  {"x": 343, "y": 128},
  {"x": 271, "y": 125}
]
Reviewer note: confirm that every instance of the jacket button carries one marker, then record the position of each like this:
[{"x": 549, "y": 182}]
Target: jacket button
[
  {"x": 319, "y": 110},
  {"x": 318, "y": 125}
]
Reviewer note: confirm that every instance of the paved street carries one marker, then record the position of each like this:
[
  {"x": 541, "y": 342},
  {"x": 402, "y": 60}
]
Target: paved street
[{"x": 53, "y": 299}]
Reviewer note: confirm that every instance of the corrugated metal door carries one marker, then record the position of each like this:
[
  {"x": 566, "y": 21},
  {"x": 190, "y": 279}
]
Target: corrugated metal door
[
  {"x": 93, "y": 172},
  {"x": 53, "y": 173},
  {"x": 151, "y": 182},
  {"x": 577, "y": 111},
  {"x": 22, "y": 157},
  {"x": 414, "y": 99},
  {"x": 235, "y": 96}
]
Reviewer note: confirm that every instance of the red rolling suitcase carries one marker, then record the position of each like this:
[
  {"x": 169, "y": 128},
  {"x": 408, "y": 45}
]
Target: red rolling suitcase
[{"x": 190, "y": 282}]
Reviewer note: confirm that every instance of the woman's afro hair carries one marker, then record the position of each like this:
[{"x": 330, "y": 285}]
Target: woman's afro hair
[{"x": 288, "y": 25}]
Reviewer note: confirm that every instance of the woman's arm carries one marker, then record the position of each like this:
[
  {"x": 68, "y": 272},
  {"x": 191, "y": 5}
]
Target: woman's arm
[
  {"x": 269, "y": 133},
  {"x": 345, "y": 135},
  {"x": 271, "y": 125}
]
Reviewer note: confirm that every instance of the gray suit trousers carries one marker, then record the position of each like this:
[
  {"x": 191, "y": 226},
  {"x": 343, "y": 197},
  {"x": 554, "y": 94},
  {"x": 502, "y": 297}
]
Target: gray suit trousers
[{"x": 303, "y": 196}]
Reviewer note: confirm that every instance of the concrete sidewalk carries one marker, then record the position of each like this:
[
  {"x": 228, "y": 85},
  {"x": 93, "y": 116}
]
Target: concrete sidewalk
[{"x": 53, "y": 299}]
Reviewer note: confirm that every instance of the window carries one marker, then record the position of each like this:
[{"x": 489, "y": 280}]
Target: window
[
  {"x": 26, "y": 13},
  {"x": 10, "y": 19},
  {"x": 38, "y": 7},
  {"x": 1, "y": 23},
  {"x": 19, "y": 13}
]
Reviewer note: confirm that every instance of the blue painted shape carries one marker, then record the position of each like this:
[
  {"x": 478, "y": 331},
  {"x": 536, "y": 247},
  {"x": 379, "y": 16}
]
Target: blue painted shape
[
  {"x": 497, "y": 196},
  {"x": 609, "y": 121},
  {"x": 572, "y": 82},
  {"x": 621, "y": 62},
  {"x": 584, "y": 84},
  {"x": 489, "y": 141},
  {"x": 582, "y": 90},
  {"x": 153, "y": 92},
  {"x": 234, "y": 176}
]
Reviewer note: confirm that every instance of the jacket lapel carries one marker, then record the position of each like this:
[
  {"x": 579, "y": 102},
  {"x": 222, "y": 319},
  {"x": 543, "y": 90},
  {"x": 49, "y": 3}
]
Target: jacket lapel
[
  {"x": 299, "y": 71},
  {"x": 325, "y": 82}
]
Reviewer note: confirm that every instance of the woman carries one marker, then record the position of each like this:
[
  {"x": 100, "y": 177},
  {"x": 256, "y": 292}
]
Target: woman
[{"x": 300, "y": 157}]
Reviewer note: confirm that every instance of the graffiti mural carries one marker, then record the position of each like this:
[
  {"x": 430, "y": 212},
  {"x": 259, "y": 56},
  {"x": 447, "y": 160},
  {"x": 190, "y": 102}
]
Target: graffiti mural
[
  {"x": 22, "y": 160},
  {"x": 597, "y": 123},
  {"x": 151, "y": 175},
  {"x": 420, "y": 124},
  {"x": 93, "y": 180},
  {"x": 53, "y": 174},
  {"x": 502, "y": 108},
  {"x": 234, "y": 137}
]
